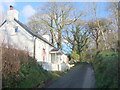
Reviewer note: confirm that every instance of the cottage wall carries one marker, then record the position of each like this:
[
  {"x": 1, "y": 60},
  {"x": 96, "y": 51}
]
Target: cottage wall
[
  {"x": 40, "y": 45},
  {"x": 64, "y": 58},
  {"x": 20, "y": 39}
]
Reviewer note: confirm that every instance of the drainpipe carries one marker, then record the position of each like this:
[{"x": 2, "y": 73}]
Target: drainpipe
[{"x": 34, "y": 46}]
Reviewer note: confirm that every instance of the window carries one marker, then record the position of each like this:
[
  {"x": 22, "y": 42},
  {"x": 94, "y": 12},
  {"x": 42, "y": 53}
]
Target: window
[
  {"x": 16, "y": 29},
  {"x": 52, "y": 58}
]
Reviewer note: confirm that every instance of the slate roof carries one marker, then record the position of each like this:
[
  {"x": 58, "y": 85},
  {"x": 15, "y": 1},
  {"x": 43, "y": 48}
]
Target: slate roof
[
  {"x": 55, "y": 49},
  {"x": 3, "y": 23},
  {"x": 30, "y": 31}
]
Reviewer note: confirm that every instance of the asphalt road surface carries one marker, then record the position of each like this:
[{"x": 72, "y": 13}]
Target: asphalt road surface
[{"x": 82, "y": 76}]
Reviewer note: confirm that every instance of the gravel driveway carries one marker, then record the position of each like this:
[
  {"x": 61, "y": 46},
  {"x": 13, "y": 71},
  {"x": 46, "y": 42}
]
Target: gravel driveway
[{"x": 82, "y": 76}]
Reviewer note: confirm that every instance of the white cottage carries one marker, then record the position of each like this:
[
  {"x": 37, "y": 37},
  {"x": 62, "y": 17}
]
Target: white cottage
[{"x": 15, "y": 33}]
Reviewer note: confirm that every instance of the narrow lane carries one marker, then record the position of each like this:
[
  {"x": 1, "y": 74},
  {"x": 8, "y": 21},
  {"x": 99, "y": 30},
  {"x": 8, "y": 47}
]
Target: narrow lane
[{"x": 82, "y": 76}]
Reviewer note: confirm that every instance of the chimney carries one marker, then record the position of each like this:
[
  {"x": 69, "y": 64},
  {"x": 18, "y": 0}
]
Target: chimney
[
  {"x": 11, "y": 7},
  {"x": 46, "y": 36},
  {"x": 12, "y": 14}
]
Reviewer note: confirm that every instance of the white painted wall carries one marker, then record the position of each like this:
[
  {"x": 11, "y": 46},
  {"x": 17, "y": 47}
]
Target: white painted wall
[
  {"x": 64, "y": 58},
  {"x": 39, "y": 51},
  {"x": 55, "y": 67},
  {"x": 20, "y": 40},
  {"x": 60, "y": 58}
]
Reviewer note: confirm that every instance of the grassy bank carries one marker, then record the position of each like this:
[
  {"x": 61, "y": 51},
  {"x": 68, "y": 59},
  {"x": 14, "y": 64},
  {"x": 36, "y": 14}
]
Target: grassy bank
[{"x": 106, "y": 69}]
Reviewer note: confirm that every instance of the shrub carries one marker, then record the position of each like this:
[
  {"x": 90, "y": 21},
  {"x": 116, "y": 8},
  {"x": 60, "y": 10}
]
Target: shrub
[
  {"x": 106, "y": 69},
  {"x": 19, "y": 70},
  {"x": 11, "y": 60}
]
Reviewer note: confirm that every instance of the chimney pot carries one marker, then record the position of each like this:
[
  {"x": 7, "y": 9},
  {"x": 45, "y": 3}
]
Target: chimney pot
[{"x": 11, "y": 7}]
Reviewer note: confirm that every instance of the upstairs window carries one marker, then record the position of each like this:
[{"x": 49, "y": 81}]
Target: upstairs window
[{"x": 16, "y": 29}]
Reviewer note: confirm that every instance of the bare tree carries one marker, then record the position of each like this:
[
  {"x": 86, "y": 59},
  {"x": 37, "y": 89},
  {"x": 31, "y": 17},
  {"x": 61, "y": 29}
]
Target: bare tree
[
  {"x": 112, "y": 35},
  {"x": 112, "y": 8},
  {"x": 98, "y": 28},
  {"x": 55, "y": 17}
]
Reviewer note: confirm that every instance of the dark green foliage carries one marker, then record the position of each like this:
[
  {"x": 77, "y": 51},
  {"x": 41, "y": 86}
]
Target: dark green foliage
[
  {"x": 29, "y": 75},
  {"x": 106, "y": 69}
]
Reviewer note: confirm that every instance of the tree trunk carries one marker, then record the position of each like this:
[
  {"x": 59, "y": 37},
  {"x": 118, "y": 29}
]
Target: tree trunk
[
  {"x": 97, "y": 45},
  {"x": 52, "y": 39},
  {"x": 51, "y": 31},
  {"x": 59, "y": 39}
]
